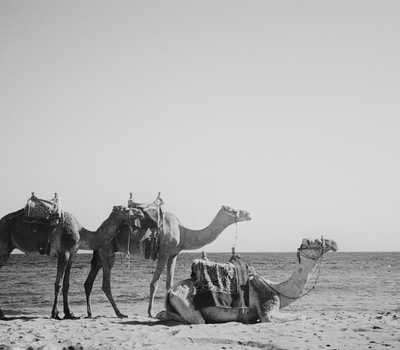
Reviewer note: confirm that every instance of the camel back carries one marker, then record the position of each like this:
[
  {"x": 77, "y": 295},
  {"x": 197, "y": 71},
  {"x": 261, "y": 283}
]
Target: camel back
[{"x": 220, "y": 284}]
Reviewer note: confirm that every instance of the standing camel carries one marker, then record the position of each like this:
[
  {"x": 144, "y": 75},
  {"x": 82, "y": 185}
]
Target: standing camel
[
  {"x": 173, "y": 239},
  {"x": 65, "y": 239}
]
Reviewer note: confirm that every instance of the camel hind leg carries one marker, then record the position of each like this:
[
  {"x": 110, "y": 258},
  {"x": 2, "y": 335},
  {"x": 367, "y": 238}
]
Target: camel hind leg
[
  {"x": 108, "y": 258},
  {"x": 5, "y": 250},
  {"x": 3, "y": 259},
  {"x": 95, "y": 266}
]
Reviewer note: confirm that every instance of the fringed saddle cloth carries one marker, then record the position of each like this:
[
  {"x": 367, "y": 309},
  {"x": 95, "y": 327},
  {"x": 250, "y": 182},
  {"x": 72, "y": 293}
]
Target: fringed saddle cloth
[
  {"x": 42, "y": 209},
  {"x": 225, "y": 285},
  {"x": 151, "y": 238}
]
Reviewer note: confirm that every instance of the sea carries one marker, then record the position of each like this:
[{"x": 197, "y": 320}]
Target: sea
[{"x": 355, "y": 282}]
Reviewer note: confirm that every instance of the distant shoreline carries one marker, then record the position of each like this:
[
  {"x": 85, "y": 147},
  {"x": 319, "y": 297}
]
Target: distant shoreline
[{"x": 17, "y": 252}]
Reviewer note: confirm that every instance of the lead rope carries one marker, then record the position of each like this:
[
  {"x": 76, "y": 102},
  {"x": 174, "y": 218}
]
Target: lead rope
[
  {"x": 128, "y": 253},
  {"x": 236, "y": 237}
]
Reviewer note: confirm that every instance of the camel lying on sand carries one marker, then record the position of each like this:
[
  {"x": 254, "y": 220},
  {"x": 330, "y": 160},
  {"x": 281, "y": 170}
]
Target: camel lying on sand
[
  {"x": 265, "y": 298},
  {"x": 173, "y": 239},
  {"x": 65, "y": 238}
]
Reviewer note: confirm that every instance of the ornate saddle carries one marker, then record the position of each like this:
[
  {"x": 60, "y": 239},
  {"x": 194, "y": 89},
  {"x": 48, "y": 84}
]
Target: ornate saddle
[
  {"x": 43, "y": 210},
  {"x": 153, "y": 211},
  {"x": 220, "y": 284}
]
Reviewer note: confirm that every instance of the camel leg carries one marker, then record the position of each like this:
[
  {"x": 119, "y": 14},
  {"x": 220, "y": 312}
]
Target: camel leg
[
  {"x": 162, "y": 260},
  {"x": 67, "y": 312},
  {"x": 3, "y": 260},
  {"x": 170, "y": 271},
  {"x": 95, "y": 266},
  {"x": 108, "y": 259},
  {"x": 61, "y": 264},
  {"x": 269, "y": 309}
]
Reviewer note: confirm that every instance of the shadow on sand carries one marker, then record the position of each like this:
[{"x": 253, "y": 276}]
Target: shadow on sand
[
  {"x": 150, "y": 323},
  {"x": 21, "y": 317}
]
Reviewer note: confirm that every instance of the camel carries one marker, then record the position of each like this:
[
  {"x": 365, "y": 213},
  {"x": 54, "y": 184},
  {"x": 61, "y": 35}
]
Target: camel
[
  {"x": 173, "y": 239},
  {"x": 266, "y": 298},
  {"x": 65, "y": 237}
]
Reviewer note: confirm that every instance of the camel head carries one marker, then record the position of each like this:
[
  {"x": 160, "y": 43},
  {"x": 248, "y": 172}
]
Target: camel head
[
  {"x": 125, "y": 215},
  {"x": 315, "y": 249},
  {"x": 236, "y": 214}
]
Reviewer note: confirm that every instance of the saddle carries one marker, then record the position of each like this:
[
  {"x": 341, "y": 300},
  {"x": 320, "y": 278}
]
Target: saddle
[
  {"x": 43, "y": 210},
  {"x": 153, "y": 211},
  {"x": 220, "y": 284}
]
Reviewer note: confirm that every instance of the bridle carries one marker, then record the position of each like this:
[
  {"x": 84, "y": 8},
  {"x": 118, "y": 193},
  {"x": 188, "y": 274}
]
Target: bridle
[{"x": 301, "y": 252}]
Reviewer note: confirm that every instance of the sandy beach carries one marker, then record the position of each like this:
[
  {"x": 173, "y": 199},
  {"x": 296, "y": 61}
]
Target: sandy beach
[
  {"x": 354, "y": 306},
  {"x": 326, "y": 330}
]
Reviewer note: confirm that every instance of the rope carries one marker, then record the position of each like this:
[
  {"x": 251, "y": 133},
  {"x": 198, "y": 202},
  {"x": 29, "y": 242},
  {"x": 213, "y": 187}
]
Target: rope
[{"x": 236, "y": 237}]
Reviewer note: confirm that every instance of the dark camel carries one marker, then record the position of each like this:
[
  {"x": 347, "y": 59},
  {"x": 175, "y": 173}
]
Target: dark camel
[{"x": 65, "y": 240}]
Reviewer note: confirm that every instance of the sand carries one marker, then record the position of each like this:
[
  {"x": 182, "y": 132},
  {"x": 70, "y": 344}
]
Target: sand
[{"x": 319, "y": 330}]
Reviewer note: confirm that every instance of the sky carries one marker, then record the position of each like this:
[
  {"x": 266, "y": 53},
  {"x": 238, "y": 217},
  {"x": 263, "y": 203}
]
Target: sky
[{"x": 287, "y": 109}]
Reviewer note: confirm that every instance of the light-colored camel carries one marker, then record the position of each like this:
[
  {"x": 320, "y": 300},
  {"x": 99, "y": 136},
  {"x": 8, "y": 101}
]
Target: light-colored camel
[
  {"x": 176, "y": 238},
  {"x": 65, "y": 238},
  {"x": 266, "y": 298},
  {"x": 173, "y": 239}
]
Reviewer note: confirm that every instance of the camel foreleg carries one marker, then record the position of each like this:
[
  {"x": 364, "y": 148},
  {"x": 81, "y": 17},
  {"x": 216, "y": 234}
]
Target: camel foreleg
[
  {"x": 95, "y": 266},
  {"x": 61, "y": 265},
  {"x": 267, "y": 310},
  {"x": 170, "y": 271},
  {"x": 270, "y": 311},
  {"x": 65, "y": 289},
  {"x": 162, "y": 260}
]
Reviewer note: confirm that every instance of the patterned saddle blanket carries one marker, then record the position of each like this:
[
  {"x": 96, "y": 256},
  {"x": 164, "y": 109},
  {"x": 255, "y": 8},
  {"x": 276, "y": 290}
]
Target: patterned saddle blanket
[
  {"x": 154, "y": 211},
  {"x": 220, "y": 284},
  {"x": 42, "y": 209}
]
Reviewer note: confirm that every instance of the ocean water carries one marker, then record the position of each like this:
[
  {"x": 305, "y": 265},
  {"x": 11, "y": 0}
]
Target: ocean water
[{"x": 356, "y": 282}]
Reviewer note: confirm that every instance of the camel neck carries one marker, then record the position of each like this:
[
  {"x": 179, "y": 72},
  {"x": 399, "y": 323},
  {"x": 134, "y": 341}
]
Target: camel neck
[
  {"x": 195, "y": 239},
  {"x": 105, "y": 233},
  {"x": 86, "y": 240},
  {"x": 295, "y": 285}
]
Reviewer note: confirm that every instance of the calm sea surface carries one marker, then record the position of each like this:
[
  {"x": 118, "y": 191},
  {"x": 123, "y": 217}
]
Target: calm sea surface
[{"x": 364, "y": 282}]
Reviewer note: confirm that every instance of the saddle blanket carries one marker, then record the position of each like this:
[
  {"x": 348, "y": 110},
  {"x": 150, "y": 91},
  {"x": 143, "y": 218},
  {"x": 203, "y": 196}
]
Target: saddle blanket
[{"x": 220, "y": 284}]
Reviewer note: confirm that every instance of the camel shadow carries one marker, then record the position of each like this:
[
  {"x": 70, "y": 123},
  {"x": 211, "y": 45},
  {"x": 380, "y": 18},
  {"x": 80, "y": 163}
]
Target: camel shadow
[
  {"x": 150, "y": 323},
  {"x": 23, "y": 318}
]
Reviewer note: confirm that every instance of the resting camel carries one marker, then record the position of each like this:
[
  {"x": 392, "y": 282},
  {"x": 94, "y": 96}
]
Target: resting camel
[
  {"x": 65, "y": 239},
  {"x": 266, "y": 298},
  {"x": 173, "y": 239}
]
